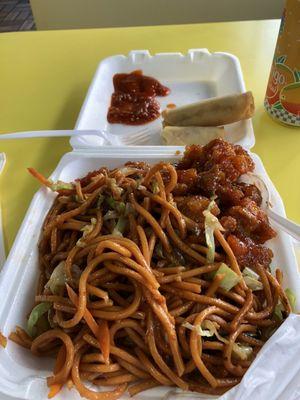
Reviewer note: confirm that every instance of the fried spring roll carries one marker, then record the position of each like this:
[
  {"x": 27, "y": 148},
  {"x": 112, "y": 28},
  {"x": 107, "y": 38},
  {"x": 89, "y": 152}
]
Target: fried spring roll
[
  {"x": 184, "y": 135},
  {"x": 212, "y": 112}
]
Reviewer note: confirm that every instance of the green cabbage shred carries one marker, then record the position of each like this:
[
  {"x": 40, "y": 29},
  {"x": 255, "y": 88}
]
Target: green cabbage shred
[
  {"x": 209, "y": 329},
  {"x": 60, "y": 185},
  {"x": 36, "y": 313},
  {"x": 57, "y": 278},
  {"x": 252, "y": 279},
  {"x": 211, "y": 223},
  {"x": 230, "y": 279}
]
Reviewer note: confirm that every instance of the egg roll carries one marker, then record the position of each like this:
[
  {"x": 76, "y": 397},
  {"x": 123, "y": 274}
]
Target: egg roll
[
  {"x": 212, "y": 112},
  {"x": 185, "y": 135}
]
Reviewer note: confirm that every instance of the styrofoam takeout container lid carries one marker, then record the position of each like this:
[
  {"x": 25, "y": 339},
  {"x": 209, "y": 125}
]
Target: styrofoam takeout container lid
[
  {"x": 192, "y": 77},
  {"x": 23, "y": 375}
]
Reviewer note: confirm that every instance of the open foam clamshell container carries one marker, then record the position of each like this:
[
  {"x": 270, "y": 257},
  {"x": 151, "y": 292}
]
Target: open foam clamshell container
[
  {"x": 192, "y": 77},
  {"x": 23, "y": 375}
]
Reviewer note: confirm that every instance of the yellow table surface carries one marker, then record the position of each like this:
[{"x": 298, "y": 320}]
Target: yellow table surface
[{"x": 45, "y": 76}]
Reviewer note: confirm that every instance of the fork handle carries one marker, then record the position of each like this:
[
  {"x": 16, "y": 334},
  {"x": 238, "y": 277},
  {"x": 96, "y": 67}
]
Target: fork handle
[
  {"x": 50, "y": 133},
  {"x": 285, "y": 224}
]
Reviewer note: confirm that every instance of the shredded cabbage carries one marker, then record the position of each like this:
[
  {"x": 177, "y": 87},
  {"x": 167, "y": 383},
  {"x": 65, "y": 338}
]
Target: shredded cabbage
[
  {"x": 240, "y": 351},
  {"x": 118, "y": 206},
  {"x": 112, "y": 183},
  {"x": 127, "y": 171},
  {"x": 87, "y": 229},
  {"x": 230, "y": 279},
  {"x": 291, "y": 297},
  {"x": 249, "y": 272},
  {"x": 138, "y": 183},
  {"x": 211, "y": 223},
  {"x": 110, "y": 201},
  {"x": 141, "y": 187},
  {"x": 279, "y": 309},
  {"x": 252, "y": 279},
  {"x": 37, "y": 312},
  {"x": 207, "y": 329},
  {"x": 60, "y": 185},
  {"x": 57, "y": 278},
  {"x": 120, "y": 226},
  {"x": 155, "y": 187},
  {"x": 111, "y": 214}
]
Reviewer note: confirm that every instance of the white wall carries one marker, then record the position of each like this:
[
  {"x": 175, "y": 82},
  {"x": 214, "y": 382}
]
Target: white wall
[{"x": 67, "y": 14}]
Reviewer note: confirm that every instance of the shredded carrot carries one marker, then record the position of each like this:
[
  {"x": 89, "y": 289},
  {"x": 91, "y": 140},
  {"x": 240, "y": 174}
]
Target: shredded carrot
[
  {"x": 45, "y": 182},
  {"x": 39, "y": 177},
  {"x": 54, "y": 389},
  {"x": 100, "y": 330},
  {"x": 60, "y": 359},
  {"x": 3, "y": 340},
  {"x": 87, "y": 315}
]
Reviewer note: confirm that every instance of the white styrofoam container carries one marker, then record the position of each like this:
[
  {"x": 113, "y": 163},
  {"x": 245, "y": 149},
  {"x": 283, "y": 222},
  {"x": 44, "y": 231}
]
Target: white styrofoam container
[
  {"x": 22, "y": 375},
  {"x": 192, "y": 77}
]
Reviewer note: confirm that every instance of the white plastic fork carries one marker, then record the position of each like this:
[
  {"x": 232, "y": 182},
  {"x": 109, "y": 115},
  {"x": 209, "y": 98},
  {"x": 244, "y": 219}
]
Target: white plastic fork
[
  {"x": 137, "y": 138},
  {"x": 131, "y": 139}
]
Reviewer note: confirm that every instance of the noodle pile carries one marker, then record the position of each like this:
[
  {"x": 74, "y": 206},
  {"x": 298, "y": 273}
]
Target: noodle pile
[{"x": 128, "y": 294}]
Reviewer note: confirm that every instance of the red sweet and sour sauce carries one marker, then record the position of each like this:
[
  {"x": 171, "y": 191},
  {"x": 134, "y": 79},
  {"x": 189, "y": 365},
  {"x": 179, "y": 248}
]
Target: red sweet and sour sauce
[{"x": 133, "y": 101}]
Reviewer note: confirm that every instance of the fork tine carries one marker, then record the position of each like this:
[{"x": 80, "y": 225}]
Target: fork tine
[
  {"x": 145, "y": 140},
  {"x": 134, "y": 139},
  {"x": 140, "y": 136}
]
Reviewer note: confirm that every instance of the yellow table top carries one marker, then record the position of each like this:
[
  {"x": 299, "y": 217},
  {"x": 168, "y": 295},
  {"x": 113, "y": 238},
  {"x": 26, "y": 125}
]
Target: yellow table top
[{"x": 45, "y": 76}]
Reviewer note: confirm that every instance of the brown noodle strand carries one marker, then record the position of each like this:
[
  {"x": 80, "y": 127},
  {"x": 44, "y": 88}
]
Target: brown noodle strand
[
  {"x": 196, "y": 349},
  {"x": 85, "y": 392},
  {"x": 157, "y": 375},
  {"x": 62, "y": 375},
  {"x": 142, "y": 386},
  {"x": 232, "y": 259},
  {"x": 131, "y": 368},
  {"x": 125, "y": 378},
  {"x": 237, "y": 320},
  {"x": 182, "y": 246},
  {"x": 158, "y": 359},
  {"x": 214, "y": 285},
  {"x": 154, "y": 224},
  {"x": 144, "y": 243}
]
